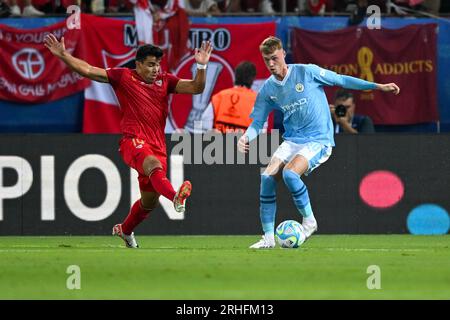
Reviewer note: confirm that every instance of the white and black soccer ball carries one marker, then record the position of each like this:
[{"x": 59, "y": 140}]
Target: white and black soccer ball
[{"x": 290, "y": 234}]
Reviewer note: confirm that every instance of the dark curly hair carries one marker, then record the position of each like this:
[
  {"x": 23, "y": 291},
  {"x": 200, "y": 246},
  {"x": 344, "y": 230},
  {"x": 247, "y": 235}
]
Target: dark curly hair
[
  {"x": 148, "y": 50},
  {"x": 245, "y": 73}
]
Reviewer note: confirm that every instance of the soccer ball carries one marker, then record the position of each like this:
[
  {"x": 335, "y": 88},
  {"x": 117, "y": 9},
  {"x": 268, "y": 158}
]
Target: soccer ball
[{"x": 289, "y": 234}]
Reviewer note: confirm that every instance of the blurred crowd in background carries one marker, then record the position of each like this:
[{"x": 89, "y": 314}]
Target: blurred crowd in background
[{"x": 218, "y": 7}]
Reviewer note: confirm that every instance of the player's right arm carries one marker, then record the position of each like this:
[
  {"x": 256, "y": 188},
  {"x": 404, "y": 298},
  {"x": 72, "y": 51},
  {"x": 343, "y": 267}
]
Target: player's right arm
[
  {"x": 79, "y": 66},
  {"x": 260, "y": 112}
]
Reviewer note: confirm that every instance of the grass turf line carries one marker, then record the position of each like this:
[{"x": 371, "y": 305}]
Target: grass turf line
[{"x": 222, "y": 267}]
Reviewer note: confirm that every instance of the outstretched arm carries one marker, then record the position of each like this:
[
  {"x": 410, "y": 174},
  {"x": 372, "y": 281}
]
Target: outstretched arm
[
  {"x": 330, "y": 78},
  {"x": 349, "y": 82},
  {"x": 79, "y": 66},
  {"x": 197, "y": 85}
]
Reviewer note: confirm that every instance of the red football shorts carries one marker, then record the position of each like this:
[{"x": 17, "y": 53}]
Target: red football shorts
[{"x": 133, "y": 152}]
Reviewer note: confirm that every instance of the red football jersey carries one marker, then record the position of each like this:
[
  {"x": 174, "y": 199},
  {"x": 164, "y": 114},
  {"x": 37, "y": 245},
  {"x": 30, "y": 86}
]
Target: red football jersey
[{"x": 144, "y": 106}]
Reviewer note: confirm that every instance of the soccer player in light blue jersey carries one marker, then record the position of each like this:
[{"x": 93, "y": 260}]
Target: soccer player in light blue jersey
[{"x": 297, "y": 91}]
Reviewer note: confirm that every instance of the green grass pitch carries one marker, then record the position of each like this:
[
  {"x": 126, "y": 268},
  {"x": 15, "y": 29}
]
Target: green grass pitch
[{"x": 222, "y": 267}]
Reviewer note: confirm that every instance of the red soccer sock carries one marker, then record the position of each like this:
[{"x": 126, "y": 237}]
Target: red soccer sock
[
  {"x": 136, "y": 216},
  {"x": 161, "y": 184}
]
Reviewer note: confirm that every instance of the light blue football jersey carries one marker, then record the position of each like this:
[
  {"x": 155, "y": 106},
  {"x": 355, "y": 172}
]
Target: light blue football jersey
[{"x": 302, "y": 100}]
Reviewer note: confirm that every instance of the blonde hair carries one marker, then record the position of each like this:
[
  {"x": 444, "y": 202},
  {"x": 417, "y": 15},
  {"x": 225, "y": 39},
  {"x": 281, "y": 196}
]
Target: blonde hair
[{"x": 270, "y": 44}]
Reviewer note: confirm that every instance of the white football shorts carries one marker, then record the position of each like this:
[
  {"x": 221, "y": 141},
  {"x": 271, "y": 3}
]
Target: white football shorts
[{"x": 314, "y": 152}]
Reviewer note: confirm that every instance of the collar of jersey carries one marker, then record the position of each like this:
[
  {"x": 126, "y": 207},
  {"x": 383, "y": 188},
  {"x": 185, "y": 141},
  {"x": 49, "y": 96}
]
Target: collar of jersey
[
  {"x": 138, "y": 77},
  {"x": 283, "y": 82}
]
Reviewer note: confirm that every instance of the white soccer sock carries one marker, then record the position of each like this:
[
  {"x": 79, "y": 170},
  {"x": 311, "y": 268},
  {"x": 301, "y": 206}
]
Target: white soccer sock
[
  {"x": 310, "y": 219},
  {"x": 269, "y": 236}
]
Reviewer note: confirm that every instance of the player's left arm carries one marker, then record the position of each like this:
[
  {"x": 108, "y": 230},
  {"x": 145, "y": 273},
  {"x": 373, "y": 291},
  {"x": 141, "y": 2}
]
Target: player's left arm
[
  {"x": 196, "y": 85},
  {"x": 388, "y": 87},
  {"x": 330, "y": 78}
]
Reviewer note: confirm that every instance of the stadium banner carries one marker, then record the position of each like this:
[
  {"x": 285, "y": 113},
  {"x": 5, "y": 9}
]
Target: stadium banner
[
  {"x": 112, "y": 43},
  {"x": 30, "y": 73},
  {"x": 78, "y": 185},
  {"x": 406, "y": 56}
]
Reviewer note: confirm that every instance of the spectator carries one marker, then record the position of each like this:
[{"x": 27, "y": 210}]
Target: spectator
[
  {"x": 229, "y": 110},
  {"x": 359, "y": 13},
  {"x": 200, "y": 7},
  {"x": 431, "y": 6},
  {"x": 28, "y": 9},
  {"x": 5, "y": 10},
  {"x": 60, "y": 6},
  {"x": 344, "y": 117},
  {"x": 118, "y": 6},
  {"x": 264, "y": 6},
  {"x": 316, "y": 7},
  {"x": 312, "y": 7},
  {"x": 98, "y": 6},
  {"x": 172, "y": 20},
  {"x": 352, "y": 6}
]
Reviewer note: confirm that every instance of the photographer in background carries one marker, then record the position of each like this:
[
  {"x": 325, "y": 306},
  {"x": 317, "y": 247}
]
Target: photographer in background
[{"x": 344, "y": 117}]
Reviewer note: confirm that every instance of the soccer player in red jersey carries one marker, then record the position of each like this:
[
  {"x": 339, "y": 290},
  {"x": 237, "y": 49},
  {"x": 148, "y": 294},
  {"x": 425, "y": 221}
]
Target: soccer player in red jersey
[{"x": 143, "y": 97}]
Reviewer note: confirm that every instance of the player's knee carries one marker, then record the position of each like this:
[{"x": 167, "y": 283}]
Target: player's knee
[
  {"x": 149, "y": 205},
  {"x": 150, "y": 165},
  {"x": 290, "y": 177}
]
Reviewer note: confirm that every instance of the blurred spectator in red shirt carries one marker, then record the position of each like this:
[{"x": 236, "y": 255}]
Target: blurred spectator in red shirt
[
  {"x": 200, "y": 7},
  {"x": 431, "y": 6},
  {"x": 26, "y": 7},
  {"x": 264, "y": 6}
]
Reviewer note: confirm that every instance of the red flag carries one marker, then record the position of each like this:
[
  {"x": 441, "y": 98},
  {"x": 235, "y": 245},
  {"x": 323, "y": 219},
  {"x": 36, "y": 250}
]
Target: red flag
[
  {"x": 172, "y": 35},
  {"x": 30, "y": 73},
  {"x": 110, "y": 45},
  {"x": 144, "y": 21}
]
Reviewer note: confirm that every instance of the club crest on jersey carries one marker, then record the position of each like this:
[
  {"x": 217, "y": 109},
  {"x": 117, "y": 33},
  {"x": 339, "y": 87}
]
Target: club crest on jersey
[
  {"x": 299, "y": 87},
  {"x": 158, "y": 83}
]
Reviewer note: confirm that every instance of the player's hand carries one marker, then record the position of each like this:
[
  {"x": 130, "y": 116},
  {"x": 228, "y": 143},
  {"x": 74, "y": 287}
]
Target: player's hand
[
  {"x": 202, "y": 55},
  {"x": 56, "y": 47},
  {"x": 243, "y": 144},
  {"x": 389, "y": 87},
  {"x": 344, "y": 122}
]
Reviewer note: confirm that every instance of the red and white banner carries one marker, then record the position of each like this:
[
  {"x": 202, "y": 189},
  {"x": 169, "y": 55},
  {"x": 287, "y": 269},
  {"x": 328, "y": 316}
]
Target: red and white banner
[
  {"x": 406, "y": 56},
  {"x": 32, "y": 74},
  {"x": 233, "y": 43},
  {"x": 29, "y": 72},
  {"x": 112, "y": 43}
]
